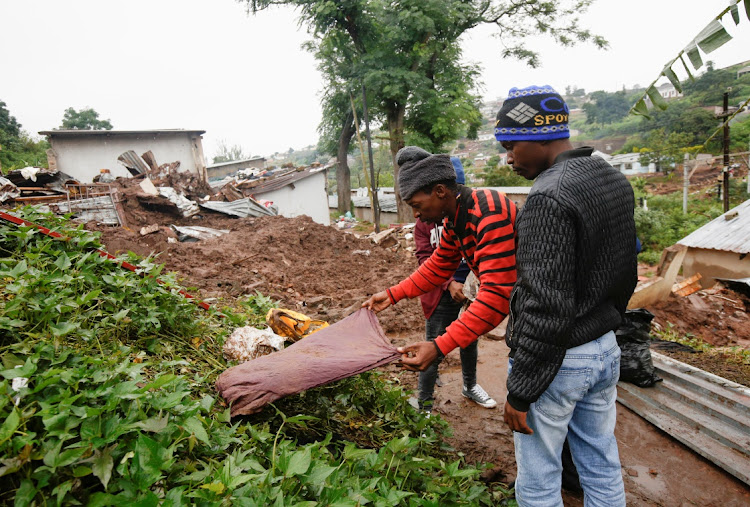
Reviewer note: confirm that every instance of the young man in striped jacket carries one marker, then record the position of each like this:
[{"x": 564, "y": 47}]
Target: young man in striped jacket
[{"x": 478, "y": 226}]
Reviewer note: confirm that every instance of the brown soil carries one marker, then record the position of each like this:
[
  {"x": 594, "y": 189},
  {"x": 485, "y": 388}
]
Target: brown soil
[
  {"x": 704, "y": 177},
  {"x": 314, "y": 269}
]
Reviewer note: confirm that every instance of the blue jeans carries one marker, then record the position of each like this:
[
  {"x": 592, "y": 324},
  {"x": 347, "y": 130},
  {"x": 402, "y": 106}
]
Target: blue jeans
[
  {"x": 446, "y": 312},
  {"x": 579, "y": 404}
]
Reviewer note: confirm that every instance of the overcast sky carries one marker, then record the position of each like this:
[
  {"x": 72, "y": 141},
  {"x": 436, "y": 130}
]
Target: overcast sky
[{"x": 200, "y": 64}]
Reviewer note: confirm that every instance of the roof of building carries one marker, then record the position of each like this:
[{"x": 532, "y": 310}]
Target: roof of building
[
  {"x": 235, "y": 162},
  {"x": 730, "y": 232},
  {"x": 83, "y": 133},
  {"x": 625, "y": 157},
  {"x": 285, "y": 179}
]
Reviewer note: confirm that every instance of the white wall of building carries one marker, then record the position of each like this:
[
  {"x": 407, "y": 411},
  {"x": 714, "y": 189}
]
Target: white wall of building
[
  {"x": 83, "y": 156},
  {"x": 304, "y": 197}
]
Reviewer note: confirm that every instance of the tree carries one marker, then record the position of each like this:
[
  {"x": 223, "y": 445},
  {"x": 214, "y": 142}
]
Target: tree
[
  {"x": 664, "y": 150},
  {"x": 502, "y": 176},
  {"x": 9, "y": 126},
  {"x": 407, "y": 53},
  {"x": 225, "y": 153},
  {"x": 683, "y": 118},
  {"x": 17, "y": 148},
  {"x": 85, "y": 119},
  {"x": 607, "y": 107}
]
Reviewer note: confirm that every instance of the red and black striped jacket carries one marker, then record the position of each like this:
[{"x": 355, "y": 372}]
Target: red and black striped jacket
[{"x": 482, "y": 232}]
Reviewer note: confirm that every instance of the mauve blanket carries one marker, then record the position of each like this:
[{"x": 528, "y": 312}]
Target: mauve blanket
[{"x": 346, "y": 348}]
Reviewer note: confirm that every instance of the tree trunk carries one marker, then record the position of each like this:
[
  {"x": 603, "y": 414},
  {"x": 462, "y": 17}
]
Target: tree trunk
[
  {"x": 396, "y": 133},
  {"x": 343, "y": 175}
]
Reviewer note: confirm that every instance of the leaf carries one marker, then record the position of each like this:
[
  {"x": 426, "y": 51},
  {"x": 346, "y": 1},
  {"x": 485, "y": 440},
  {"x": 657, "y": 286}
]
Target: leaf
[
  {"x": 161, "y": 381},
  {"x": 747, "y": 9},
  {"x": 153, "y": 424},
  {"x": 63, "y": 328},
  {"x": 299, "y": 463},
  {"x": 319, "y": 474},
  {"x": 81, "y": 471},
  {"x": 11, "y": 423},
  {"x": 735, "y": 13},
  {"x": 149, "y": 458},
  {"x": 19, "y": 269},
  {"x": 62, "y": 490},
  {"x": 120, "y": 315},
  {"x": 62, "y": 261},
  {"x": 694, "y": 55},
  {"x": 196, "y": 427},
  {"x": 712, "y": 37},
  {"x": 25, "y": 371},
  {"x": 690, "y": 75},
  {"x": 89, "y": 296},
  {"x": 25, "y": 493},
  {"x": 216, "y": 487},
  {"x": 669, "y": 73},
  {"x": 656, "y": 98},
  {"x": 103, "y": 463}
]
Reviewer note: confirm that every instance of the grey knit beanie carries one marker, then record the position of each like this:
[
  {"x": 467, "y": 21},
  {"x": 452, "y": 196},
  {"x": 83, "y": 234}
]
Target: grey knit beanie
[{"x": 419, "y": 168}]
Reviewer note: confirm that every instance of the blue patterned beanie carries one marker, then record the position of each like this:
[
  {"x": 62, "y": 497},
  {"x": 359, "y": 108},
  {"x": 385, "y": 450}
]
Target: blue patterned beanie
[{"x": 536, "y": 113}]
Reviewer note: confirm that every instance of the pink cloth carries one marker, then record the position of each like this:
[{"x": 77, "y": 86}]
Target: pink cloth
[{"x": 351, "y": 346}]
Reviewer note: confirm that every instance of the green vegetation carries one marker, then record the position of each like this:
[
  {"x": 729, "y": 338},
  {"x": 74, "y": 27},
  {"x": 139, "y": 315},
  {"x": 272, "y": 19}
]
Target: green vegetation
[
  {"x": 736, "y": 354},
  {"x": 85, "y": 119},
  {"x": 17, "y": 148},
  {"x": 682, "y": 127},
  {"x": 120, "y": 407},
  {"x": 502, "y": 176},
  {"x": 664, "y": 223}
]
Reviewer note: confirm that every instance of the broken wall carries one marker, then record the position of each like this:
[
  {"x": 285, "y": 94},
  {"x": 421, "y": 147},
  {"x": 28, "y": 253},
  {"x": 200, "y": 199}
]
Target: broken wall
[
  {"x": 303, "y": 197},
  {"x": 82, "y": 156},
  {"x": 712, "y": 264}
]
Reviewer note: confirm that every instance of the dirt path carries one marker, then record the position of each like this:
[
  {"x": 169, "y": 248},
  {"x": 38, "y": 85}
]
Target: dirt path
[{"x": 657, "y": 470}]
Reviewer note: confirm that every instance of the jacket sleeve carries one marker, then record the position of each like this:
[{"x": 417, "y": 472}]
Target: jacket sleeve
[
  {"x": 436, "y": 270},
  {"x": 546, "y": 301},
  {"x": 495, "y": 258}
]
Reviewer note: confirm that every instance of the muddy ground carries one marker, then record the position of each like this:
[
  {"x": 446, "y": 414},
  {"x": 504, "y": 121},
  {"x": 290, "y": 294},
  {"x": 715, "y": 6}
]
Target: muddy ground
[{"x": 326, "y": 273}]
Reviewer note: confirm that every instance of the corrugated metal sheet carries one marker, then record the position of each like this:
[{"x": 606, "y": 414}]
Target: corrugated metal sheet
[
  {"x": 199, "y": 232},
  {"x": 240, "y": 208},
  {"x": 131, "y": 160},
  {"x": 730, "y": 232},
  {"x": 283, "y": 180},
  {"x": 97, "y": 209},
  {"x": 387, "y": 203}
]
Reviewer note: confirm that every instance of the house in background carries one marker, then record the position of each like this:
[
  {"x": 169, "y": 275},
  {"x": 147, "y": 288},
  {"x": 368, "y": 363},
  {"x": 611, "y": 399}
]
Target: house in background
[
  {"x": 630, "y": 163},
  {"x": 720, "y": 248},
  {"x": 83, "y": 153},
  {"x": 222, "y": 169},
  {"x": 668, "y": 91},
  {"x": 297, "y": 192}
]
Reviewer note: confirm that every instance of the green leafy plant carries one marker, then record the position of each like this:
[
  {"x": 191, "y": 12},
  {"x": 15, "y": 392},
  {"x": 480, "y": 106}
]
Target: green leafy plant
[{"x": 107, "y": 398}]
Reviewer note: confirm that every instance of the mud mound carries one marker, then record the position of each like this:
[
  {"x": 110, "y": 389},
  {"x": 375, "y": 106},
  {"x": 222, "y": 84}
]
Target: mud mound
[
  {"x": 717, "y": 316},
  {"x": 319, "y": 270}
]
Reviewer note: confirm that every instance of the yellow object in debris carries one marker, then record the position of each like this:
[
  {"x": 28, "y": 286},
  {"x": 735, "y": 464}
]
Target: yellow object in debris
[{"x": 292, "y": 325}]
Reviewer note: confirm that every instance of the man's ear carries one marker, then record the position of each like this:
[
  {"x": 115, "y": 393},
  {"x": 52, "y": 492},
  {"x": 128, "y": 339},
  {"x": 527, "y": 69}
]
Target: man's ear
[{"x": 441, "y": 191}]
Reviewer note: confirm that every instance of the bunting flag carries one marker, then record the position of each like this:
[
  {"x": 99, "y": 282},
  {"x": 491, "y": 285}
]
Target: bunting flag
[{"x": 711, "y": 38}]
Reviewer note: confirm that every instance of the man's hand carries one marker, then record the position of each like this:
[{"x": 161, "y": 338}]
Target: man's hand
[
  {"x": 516, "y": 420},
  {"x": 378, "y": 302},
  {"x": 418, "y": 356},
  {"x": 457, "y": 291}
]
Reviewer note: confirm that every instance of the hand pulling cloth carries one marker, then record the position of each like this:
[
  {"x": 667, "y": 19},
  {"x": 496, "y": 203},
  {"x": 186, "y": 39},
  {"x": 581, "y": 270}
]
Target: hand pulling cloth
[{"x": 353, "y": 345}]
